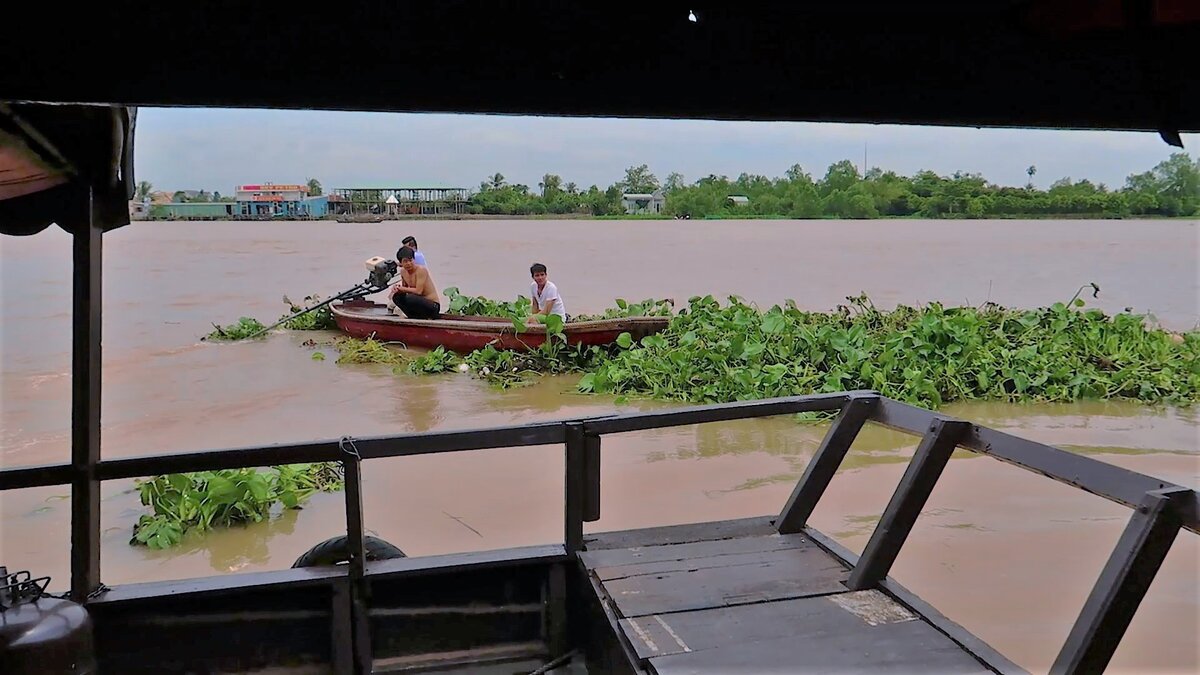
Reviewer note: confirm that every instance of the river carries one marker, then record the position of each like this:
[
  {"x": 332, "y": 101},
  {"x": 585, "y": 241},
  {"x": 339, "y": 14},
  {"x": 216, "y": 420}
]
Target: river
[{"x": 1008, "y": 554}]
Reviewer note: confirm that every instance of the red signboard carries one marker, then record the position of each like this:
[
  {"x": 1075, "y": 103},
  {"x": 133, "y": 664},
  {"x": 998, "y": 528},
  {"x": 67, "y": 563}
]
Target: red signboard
[{"x": 272, "y": 188}]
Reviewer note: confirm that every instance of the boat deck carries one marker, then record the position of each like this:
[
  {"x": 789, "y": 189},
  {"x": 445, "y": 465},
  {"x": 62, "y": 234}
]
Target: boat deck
[
  {"x": 767, "y": 594},
  {"x": 738, "y": 596}
]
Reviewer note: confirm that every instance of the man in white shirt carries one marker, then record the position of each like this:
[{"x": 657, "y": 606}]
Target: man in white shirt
[
  {"x": 544, "y": 294},
  {"x": 418, "y": 257}
]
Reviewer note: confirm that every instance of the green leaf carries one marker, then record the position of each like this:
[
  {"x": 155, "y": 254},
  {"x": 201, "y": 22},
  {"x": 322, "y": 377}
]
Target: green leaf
[
  {"x": 587, "y": 383},
  {"x": 752, "y": 349},
  {"x": 625, "y": 340},
  {"x": 318, "y": 356},
  {"x": 773, "y": 323},
  {"x": 179, "y": 481}
]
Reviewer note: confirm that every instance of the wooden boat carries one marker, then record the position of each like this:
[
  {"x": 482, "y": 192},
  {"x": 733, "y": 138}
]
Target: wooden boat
[{"x": 363, "y": 318}]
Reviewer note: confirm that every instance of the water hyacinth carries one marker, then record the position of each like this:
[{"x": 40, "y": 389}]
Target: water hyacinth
[{"x": 927, "y": 355}]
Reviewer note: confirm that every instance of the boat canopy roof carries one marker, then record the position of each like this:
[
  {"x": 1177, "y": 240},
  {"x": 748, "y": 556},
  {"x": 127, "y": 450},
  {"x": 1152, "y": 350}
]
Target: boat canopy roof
[{"x": 1094, "y": 64}]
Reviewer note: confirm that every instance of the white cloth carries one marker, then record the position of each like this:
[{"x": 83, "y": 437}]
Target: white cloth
[{"x": 548, "y": 294}]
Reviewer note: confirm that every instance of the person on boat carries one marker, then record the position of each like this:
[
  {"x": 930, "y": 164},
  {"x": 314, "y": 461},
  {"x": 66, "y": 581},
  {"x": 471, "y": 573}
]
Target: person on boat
[
  {"x": 544, "y": 294},
  {"x": 411, "y": 242},
  {"x": 415, "y": 295}
]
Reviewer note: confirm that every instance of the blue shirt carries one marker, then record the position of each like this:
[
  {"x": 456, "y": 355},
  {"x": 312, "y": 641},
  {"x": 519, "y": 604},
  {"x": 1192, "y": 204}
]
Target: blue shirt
[{"x": 419, "y": 258}]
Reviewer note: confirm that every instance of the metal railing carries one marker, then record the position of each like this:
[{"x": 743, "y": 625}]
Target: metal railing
[{"x": 1161, "y": 508}]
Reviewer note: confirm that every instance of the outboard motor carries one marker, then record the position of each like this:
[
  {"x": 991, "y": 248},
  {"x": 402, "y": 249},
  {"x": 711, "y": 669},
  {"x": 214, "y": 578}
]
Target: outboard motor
[
  {"x": 40, "y": 633},
  {"x": 380, "y": 271}
]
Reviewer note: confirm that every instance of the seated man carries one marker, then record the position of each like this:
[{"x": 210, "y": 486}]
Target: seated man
[{"x": 415, "y": 295}]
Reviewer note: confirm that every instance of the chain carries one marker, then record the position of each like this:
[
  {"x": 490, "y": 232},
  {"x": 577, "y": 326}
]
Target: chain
[{"x": 97, "y": 592}]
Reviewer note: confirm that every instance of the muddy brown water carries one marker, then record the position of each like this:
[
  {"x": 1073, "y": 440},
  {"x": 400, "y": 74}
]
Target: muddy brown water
[{"x": 1008, "y": 554}]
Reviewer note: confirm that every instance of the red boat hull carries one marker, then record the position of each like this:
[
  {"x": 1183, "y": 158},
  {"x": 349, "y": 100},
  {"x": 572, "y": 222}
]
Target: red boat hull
[{"x": 465, "y": 334}]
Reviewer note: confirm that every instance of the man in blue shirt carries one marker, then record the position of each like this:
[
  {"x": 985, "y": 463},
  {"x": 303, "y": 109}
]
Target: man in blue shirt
[{"x": 418, "y": 257}]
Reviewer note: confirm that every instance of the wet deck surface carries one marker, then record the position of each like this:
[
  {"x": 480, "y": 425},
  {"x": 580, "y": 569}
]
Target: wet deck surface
[{"x": 736, "y": 596}]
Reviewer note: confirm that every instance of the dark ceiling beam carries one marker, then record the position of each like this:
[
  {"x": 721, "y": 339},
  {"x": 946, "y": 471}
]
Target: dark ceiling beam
[{"x": 1054, "y": 63}]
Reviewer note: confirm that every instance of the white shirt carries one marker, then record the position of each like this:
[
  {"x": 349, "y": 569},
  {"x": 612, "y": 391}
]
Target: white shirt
[{"x": 549, "y": 294}]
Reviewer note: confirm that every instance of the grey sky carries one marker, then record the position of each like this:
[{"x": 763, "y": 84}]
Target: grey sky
[{"x": 217, "y": 149}]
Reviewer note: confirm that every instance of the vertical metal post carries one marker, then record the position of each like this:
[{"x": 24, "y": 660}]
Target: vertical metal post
[
  {"x": 1122, "y": 584},
  {"x": 907, "y": 501},
  {"x": 352, "y": 472},
  {"x": 557, "y": 636},
  {"x": 360, "y": 629},
  {"x": 87, "y": 253},
  {"x": 342, "y": 628},
  {"x": 591, "y": 478},
  {"x": 825, "y": 463},
  {"x": 574, "y": 459}
]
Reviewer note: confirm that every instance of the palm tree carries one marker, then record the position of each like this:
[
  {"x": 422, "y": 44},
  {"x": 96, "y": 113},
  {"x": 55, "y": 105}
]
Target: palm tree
[
  {"x": 314, "y": 187},
  {"x": 550, "y": 184},
  {"x": 1031, "y": 170},
  {"x": 496, "y": 182},
  {"x": 142, "y": 191}
]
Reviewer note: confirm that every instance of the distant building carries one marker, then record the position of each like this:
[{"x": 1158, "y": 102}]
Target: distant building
[
  {"x": 738, "y": 200},
  {"x": 314, "y": 207},
  {"x": 268, "y": 200},
  {"x": 403, "y": 200},
  {"x": 635, "y": 203},
  {"x": 193, "y": 210}
]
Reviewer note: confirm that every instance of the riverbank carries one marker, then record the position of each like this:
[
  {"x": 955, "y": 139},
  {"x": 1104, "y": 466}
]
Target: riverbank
[{"x": 657, "y": 217}]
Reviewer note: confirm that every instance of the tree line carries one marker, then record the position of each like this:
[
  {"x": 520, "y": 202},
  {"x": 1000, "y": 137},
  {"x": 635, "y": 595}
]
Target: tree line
[{"x": 1171, "y": 188}]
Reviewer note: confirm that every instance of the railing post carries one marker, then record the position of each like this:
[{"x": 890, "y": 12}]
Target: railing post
[
  {"x": 1122, "y": 584},
  {"x": 341, "y": 624},
  {"x": 359, "y": 624},
  {"x": 907, "y": 501},
  {"x": 591, "y": 477},
  {"x": 355, "y": 539},
  {"x": 575, "y": 461},
  {"x": 825, "y": 463},
  {"x": 87, "y": 252}
]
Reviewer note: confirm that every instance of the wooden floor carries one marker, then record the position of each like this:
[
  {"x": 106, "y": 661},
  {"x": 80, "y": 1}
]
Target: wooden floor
[{"x": 736, "y": 596}]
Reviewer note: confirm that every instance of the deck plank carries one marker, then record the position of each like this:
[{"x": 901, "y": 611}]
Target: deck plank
[
  {"x": 901, "y": 648},
  {"x": 773, "y": 575},
  {"x": 803, "y": 618},
  {"x": 658, "y": 553},
  {"x": 738, "y": 597},
  {"x": 681, "y": 534}
]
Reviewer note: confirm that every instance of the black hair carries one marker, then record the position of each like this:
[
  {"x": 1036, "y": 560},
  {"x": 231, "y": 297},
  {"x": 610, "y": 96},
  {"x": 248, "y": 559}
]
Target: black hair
[
  {"x": 537, "y": 267},
  {"x": 410, "y": 240},
  {"x": 405, "y": 253}
]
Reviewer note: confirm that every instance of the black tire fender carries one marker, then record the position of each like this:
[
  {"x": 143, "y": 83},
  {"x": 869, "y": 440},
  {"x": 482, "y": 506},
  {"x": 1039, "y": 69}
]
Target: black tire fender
[{"x": 336, "y": 550}]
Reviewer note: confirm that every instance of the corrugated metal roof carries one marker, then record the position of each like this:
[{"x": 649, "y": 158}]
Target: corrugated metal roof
[{"x": 400, "y": 187}]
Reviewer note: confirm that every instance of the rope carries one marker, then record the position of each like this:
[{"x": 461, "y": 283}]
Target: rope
[
  {"x": 346, "y": 445},
  {"x": 555, "y": 663}
]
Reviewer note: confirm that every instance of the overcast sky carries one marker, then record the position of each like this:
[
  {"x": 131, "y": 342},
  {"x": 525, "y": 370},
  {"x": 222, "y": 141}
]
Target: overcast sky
[{"x": 216, "y": 149}]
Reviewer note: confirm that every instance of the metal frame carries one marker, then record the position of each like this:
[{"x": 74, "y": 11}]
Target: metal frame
[
  {"x": 1162, "y": 508},
  {"x": 87, "y": 251}
]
